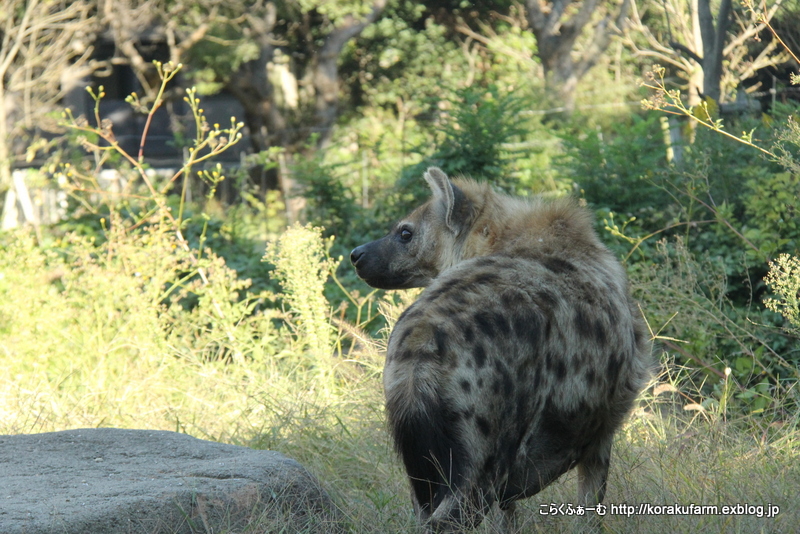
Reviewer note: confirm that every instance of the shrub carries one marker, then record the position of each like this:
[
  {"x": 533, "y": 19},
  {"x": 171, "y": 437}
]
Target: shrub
[
  {"x": 302, "y": 265},
  {"x": 110, "y": 331},
  {"x": 784, "y": 280},
  {"x": 684, "y": 298}
]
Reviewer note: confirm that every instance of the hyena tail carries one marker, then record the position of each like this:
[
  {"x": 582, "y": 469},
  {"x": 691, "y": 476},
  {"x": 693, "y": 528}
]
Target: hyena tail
[{"x": 427, "y": 437}]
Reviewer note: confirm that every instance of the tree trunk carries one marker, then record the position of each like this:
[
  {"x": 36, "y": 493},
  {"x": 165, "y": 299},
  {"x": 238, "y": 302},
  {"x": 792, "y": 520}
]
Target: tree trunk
[
  {"x": 5, "y": 152},
  {"x": 274, "y": 123},
  {"x": 556, "y": 38},
  {"x": 713, "y": 43}
]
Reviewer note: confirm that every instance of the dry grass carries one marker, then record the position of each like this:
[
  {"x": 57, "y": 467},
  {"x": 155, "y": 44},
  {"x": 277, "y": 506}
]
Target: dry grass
[
  {"x": 100, "y": 338},
  {"x": 664, "y": 456}
]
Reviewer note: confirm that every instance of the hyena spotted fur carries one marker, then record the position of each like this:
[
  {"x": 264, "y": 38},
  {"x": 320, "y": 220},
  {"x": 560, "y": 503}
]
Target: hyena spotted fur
[{"x": 518, "y": 362}]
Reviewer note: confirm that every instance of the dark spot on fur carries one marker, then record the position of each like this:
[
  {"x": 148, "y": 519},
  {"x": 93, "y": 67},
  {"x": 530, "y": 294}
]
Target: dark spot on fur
[
  {"x": 465, "y": 385},
  {"x": 557, "y": 265},
  {"x": 547, "y": 299},
  {"x": 469, "y": 334},
  {"x": 550, "y": 361},
  {"x": 591, "y": 377},
  {"x": 485, "y": 278},
  {"x": 440, "y": 338},
  {"x": 485, "y": 261},
  {"x": 410, "y": 313},
  {"x": 576, "y": 362},
  {"x": 582, "y": 323},
  {"x": 599, "y": 332},
  {"x": 496, "y": 386},
  {"x": 611, "y": 313},
  {"x": 492, "y": 324},
  {"x": 527, "y": 326},
  {"x": 558, "y": 426},
  {"x": 483, "y": 425},
  {"x": 428, "y": 356},
  {"x": 404, "y": 355},
  {"x": 501, "y": 324},
  {"x": 403, "y": 336},
  {"x": 505, "y": 377},
  {"x": 480, "y": 383},
  {"x": 514, "y": 300},
  {"x": 484, "y": 324},
  {"x": 508, "y": 383},
  {"x": 460, "y": 324},
  {"x": 612, "y": 371},
  {"x": 446, "y": 287},
  {"x": 479, "y": 354},
  {"x": 446, "y": 308},
  {"x": 561, "y": 370}
]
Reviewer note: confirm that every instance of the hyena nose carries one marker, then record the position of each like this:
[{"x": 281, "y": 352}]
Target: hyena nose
[{"x": 356, "y": 255}]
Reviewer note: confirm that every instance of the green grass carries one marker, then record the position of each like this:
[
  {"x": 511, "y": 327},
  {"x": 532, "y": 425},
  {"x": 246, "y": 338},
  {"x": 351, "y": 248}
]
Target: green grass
[{"x": 125, "y": 334}]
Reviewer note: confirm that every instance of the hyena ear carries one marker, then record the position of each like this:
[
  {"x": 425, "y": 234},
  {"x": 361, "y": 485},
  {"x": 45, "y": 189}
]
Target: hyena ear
[{"x": 457, "y": 207}]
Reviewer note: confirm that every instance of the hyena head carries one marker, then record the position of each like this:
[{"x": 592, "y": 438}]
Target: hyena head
[{"x": 421, "y": 245}]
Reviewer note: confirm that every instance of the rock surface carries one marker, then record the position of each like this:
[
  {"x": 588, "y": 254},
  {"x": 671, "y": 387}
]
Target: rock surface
[{"x": 109, "y": 481}]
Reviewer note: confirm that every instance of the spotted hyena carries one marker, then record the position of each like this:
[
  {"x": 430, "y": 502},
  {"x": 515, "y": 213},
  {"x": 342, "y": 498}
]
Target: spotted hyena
[{"x": 517, "y": 363}]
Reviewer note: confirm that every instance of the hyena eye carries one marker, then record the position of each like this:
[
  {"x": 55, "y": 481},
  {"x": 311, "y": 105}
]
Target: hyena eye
[{"x": 405, "y": 235}]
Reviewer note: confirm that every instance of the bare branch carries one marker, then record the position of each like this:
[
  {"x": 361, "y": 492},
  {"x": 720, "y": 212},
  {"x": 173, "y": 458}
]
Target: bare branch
[
  {"x": 686, "y": 50},
  {"x": 489, "y": 42},
  {"x": 752, "y": 29},
  {"x": 124, "y": 24}
]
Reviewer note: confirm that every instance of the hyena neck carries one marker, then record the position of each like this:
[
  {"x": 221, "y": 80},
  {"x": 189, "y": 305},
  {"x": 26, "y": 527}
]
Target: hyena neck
[{"x": 527, "y": 227}]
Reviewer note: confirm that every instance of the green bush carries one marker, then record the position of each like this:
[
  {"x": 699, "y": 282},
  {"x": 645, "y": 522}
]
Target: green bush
[
  {"x": 784, "y": 280},
  {"x": 617, "y": 169},
  {"x": 684, "y": 298},
  {"x": 473, "y": 137}
]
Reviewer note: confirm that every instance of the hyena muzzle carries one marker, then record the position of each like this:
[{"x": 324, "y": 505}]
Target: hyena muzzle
[{"x": 518, "y": 362}]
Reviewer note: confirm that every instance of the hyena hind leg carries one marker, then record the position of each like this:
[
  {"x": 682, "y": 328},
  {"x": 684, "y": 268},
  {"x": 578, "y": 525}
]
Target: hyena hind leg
[
  {"x": 593, "y": 472},
  {"x": 458, "y": 513},
  {"x": 509, "y": 522},
  {"x": 592, "y": 477}
]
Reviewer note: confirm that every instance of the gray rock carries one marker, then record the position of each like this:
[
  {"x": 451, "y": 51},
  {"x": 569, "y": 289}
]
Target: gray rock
[{"x": 110, "y": 481}]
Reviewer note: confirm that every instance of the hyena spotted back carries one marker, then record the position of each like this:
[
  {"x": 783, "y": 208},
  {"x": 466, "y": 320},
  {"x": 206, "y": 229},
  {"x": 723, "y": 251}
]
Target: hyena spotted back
[{"x": 517, "y": 363}]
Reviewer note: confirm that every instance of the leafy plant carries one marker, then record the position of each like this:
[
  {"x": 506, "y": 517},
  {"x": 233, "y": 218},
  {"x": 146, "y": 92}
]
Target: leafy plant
[
  {"x": 302, "y": 264},
  {"x": 328, "y": 203},
  {"x": 473, "y": 135},
  {"x": 784, "y": 280},
  {"x": 617, "y": 169}
]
